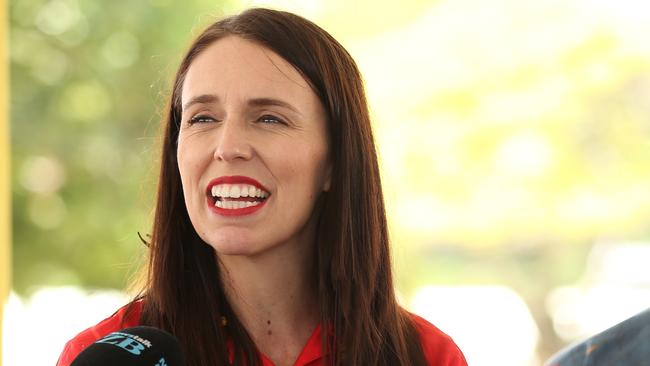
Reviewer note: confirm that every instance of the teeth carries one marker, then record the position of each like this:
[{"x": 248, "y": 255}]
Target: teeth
[
  {"x": 237, "y": 190},
  {"x": 233, "y": 205}
]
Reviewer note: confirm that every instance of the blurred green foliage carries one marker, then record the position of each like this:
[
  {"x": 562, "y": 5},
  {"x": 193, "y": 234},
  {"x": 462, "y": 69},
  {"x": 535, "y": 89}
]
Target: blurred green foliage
[{"x": 88, "y": 81}]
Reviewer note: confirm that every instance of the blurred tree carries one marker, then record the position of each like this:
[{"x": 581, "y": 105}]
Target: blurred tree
[{"x": 88, "y": 79}]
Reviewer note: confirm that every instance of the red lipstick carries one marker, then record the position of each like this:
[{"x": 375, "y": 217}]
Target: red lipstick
[{"x": 234, "y": 179}]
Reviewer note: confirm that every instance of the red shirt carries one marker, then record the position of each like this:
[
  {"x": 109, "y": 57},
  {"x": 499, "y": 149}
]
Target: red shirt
[{"x": 439, "y": 348}]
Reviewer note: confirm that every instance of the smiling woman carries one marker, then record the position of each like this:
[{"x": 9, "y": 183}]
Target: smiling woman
[{"x": 269, "y": 244}]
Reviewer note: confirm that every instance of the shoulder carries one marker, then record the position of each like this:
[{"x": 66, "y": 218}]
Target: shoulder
[
  {"x": 623, "y": 344},
  {"x": 125, "y": 317},
  {"x": 438, "y": 347}
]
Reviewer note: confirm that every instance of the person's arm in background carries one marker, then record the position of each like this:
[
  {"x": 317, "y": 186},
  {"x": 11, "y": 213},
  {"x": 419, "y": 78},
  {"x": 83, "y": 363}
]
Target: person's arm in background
[{"x": 625, "y": 344}]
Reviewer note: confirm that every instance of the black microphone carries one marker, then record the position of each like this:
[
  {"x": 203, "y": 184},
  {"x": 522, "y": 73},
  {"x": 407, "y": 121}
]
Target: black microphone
[{"x": 137, "y": 346}]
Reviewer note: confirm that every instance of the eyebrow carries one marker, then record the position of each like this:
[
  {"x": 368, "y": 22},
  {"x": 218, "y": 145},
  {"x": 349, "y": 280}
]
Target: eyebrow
[
  {"x": 201, "y": 99},
  {"x": 255, "y": 102}
]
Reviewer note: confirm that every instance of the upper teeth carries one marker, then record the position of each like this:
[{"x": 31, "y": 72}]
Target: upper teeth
[{"x": 238, "y": 190}]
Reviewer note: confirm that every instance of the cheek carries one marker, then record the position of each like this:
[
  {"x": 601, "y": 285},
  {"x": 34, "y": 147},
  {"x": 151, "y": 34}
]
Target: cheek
[
  {"x": 318, "y": 161},
  {"x": 184, "y": 165},
  {"x": 189, "y": 165},
  {"x": 308, "y": 170},
  {"x": 193, "y": 148}
]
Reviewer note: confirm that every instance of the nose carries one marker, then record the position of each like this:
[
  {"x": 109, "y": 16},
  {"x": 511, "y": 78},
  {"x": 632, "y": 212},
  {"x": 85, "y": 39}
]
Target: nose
[{"x": 232, "y": 142}]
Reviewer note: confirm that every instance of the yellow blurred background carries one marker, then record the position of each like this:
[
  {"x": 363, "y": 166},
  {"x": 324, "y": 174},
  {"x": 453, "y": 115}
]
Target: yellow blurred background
[
  {"x": 4, "y": 172},
  {"x": 514, "y": 141}
]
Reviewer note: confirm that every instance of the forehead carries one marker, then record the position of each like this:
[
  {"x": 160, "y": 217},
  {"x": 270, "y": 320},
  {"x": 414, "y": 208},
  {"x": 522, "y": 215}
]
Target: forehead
[{"x": 236, "y": 67}]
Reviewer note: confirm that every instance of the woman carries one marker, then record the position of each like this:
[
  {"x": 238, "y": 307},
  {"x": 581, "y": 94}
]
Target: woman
[{"x": 269, "y": 243}]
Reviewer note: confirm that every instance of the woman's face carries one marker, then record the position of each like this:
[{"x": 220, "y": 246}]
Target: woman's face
[{"x": 251, "y": 127}]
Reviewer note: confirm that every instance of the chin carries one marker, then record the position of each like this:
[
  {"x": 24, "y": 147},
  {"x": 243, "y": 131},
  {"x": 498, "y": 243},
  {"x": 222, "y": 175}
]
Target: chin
[
  {"x": 232, "y": 245},
  {"x": 232, "y": 249}
]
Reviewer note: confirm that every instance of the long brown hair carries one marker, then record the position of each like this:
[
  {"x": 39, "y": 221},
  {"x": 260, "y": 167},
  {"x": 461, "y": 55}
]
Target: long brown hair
[{"x": 183, "y": 292}]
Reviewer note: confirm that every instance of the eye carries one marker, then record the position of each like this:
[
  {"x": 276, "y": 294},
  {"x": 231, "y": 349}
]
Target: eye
[
  {"x": 267, "y": 118},
  {"x": 200, "y": 119}
]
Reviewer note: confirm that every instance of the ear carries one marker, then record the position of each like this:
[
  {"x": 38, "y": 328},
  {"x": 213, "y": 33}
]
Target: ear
[{"x": 328, "y": 178}]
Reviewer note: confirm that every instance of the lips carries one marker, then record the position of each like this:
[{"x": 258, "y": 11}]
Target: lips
[{"x": 232, "y": 206}]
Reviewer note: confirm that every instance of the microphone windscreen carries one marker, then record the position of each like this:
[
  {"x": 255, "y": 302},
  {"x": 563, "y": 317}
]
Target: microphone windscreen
[{"x": 137, "y": 346}]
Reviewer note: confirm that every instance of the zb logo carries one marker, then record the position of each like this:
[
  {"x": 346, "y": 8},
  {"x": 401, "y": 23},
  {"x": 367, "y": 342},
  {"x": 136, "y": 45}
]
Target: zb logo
[
  {"x": 161, "y": 362},
  {"x": 125, "y": 342}
]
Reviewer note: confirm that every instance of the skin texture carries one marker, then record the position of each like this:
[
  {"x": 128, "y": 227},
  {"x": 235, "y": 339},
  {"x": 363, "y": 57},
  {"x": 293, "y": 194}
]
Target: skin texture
[{"x": 265, "y": 257}]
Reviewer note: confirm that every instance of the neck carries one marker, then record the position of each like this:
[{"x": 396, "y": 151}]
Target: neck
[
  {"x": 276, "y": 288},
  {"x": 273, "y": 294}
]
